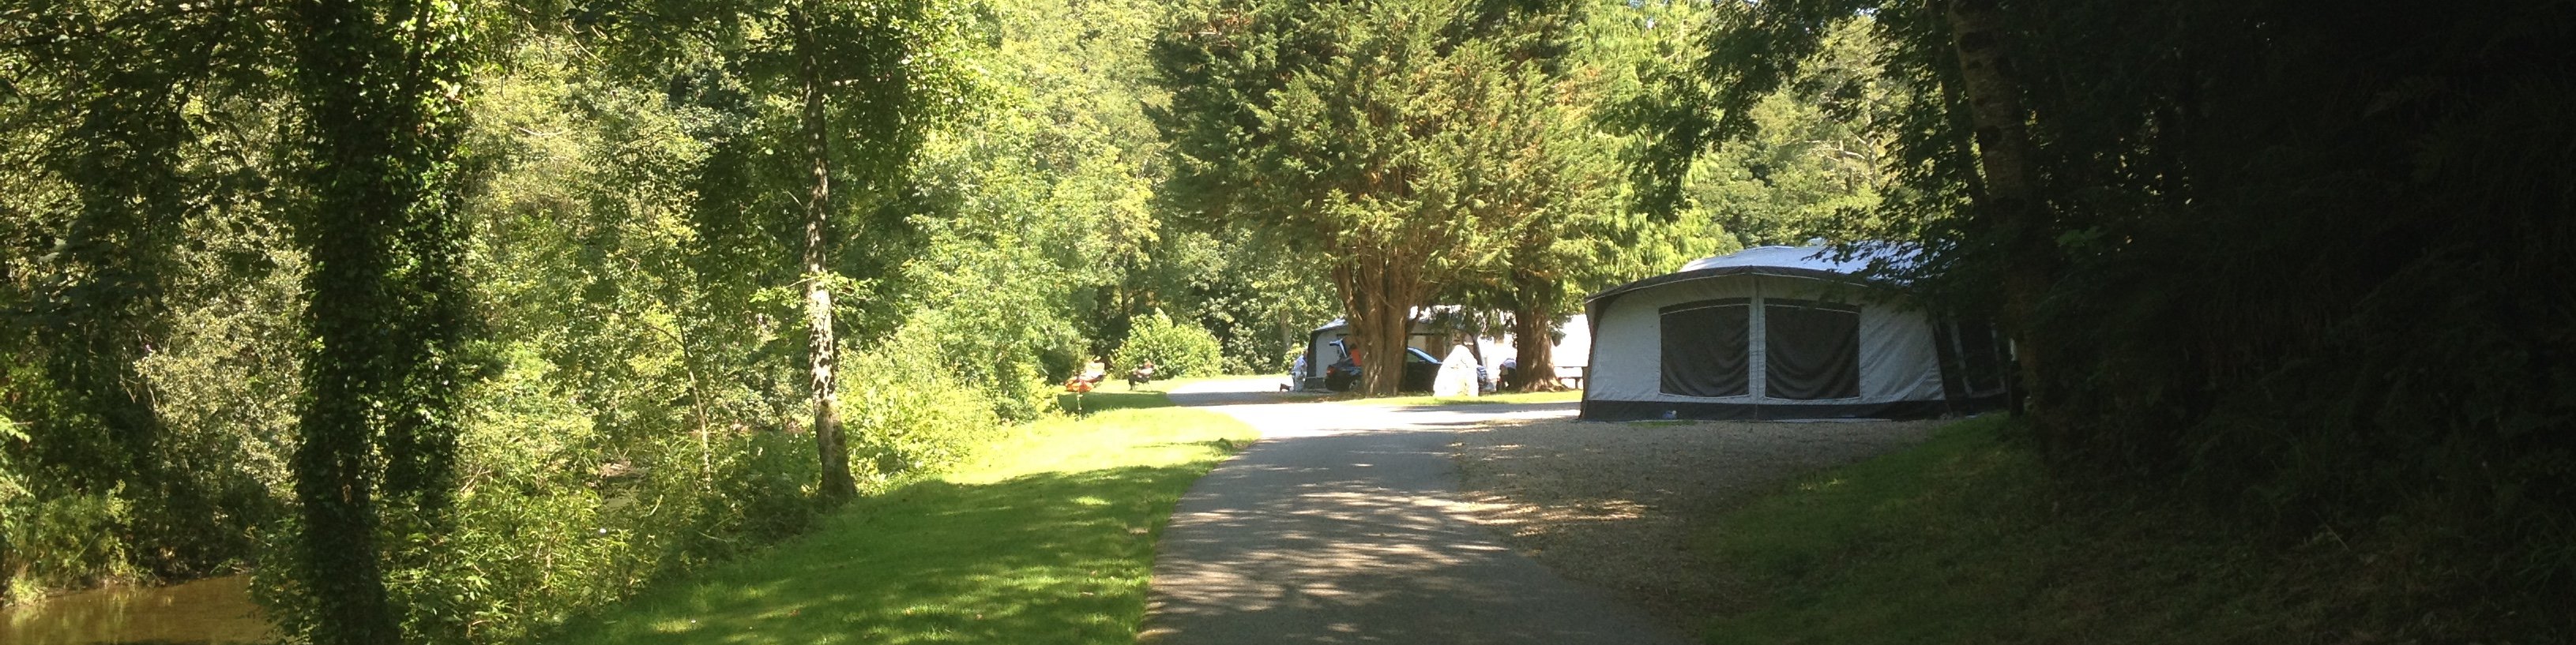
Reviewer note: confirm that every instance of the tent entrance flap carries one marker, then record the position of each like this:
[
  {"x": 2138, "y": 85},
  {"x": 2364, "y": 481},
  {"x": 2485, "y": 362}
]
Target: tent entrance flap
[
  {"x": 1811, "y": 350},
  {"x": 1706, "y": 349}
]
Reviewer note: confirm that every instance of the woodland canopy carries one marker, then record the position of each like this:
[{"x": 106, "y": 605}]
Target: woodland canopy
[{"x": 452, "y": 319}]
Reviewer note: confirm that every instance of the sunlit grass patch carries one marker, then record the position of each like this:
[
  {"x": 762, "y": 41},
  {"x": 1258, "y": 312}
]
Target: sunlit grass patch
[
  {"x": 1103, "y": 401},
  {"x": 1567, "y": 396},
  {"x": 1048, "y": 537},
  {"x": 1168, "y": 384}
]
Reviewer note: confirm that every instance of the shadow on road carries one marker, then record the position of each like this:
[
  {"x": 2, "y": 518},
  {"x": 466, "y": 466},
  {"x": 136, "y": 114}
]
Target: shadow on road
[{"x": 1344, "y": 525}]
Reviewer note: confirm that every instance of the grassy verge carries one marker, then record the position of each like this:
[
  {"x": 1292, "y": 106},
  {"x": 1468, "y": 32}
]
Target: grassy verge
[
  {"x": 1166, "y": 385},
  {"x": 1963, "y": 540},
  {"x": 1047, "y": 538},
  {"x": 1568, "y": 396},
  {"x": 1255, "y": 383}
]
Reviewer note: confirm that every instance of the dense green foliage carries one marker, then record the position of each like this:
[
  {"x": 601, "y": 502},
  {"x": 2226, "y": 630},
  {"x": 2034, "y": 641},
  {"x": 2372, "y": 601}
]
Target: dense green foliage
[
  {"x": 1464, "y": 153},
  {"x": 116, "y": 183},
  {"x": 1175, "y": 349},
  {"x": 452, "y": 320},
  {"x": 2296, "y": 265},
  {"x": 593, "y": 259}
]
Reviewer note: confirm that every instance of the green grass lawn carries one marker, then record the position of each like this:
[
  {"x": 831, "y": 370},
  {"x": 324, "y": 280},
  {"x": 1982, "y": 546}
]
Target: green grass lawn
[
  {"x": 1568, "y": 396},
  {"x": 1167, "y": 385},
  {"x": 1964, "y": 540},
  {"x": 1264, "y": 382},
  {"x": 1047, "y": 538}
]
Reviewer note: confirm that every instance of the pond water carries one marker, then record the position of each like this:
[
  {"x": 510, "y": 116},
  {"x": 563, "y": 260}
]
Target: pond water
[{"x": 213, "y": 610}]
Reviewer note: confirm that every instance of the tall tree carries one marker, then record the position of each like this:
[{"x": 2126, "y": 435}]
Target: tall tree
[
  {"x": 867, "y": 81},
  {"x": 2279, "y": 259},
  {"x": 1367, "y": 134},
  {"x": 378, "y": 83},
  {"x": 1541, "y": 164},
  {"x": 2010, "y": 199},
  {"x": 1558, "y": 161},
  {"x": 822, "y": 349}
]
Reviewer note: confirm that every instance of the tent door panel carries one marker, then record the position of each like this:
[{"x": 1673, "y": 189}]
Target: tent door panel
[
  {"x": 1945, "y": 346},
  {"x": 1811, "y": 350},
  {"x": 1706, "y": 348},
  {"x": 1980, "y": 357}
]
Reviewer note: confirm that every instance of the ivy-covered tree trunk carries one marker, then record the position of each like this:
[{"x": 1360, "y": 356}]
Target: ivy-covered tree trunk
[
  {"x": 378, "y": 83},
  {"x": 823, "y": 347},
  {"x": 2010, "y": 203}
]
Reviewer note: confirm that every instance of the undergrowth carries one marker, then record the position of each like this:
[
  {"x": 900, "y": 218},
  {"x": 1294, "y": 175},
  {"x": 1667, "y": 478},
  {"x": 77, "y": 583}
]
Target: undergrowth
[{"x": 1965, "y": 539}]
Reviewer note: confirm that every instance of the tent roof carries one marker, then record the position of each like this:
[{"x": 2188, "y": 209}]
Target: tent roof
[
  {"x": 1813, "y": 262},
  {"x": 1818, "y": 258}
]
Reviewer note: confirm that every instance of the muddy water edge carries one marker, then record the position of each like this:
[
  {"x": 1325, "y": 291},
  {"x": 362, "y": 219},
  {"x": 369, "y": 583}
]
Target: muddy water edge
[{"x": 213, "y": 610}]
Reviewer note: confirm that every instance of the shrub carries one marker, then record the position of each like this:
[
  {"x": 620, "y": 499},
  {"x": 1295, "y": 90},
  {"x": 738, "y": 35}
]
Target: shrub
[
  {"x": 51, "y": 538},
  {"x": 14, "y": 502},
  {"x": 763, "y": 491},
  {"x": 520, "y": 543},
  {"x": 65, "y": 541},
  {"x": 997, "y": 343},
  {"x": 1176, "y": 349},
  {"x": 905, "y": 411}
]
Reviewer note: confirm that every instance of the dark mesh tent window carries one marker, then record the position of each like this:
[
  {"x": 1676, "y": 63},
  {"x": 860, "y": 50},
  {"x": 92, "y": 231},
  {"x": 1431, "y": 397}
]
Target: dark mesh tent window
[
  {"x": 1981, "y": 360},
  {"x": 1707, "y": 350},
  {"x": 1811, "y": 350}
]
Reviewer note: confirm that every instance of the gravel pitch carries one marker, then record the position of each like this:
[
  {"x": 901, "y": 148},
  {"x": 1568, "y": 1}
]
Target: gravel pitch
[{"x": 1615, "y": 504}]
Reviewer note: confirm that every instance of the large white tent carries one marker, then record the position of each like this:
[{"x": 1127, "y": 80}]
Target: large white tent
[{"x": 1777, "y": 333}]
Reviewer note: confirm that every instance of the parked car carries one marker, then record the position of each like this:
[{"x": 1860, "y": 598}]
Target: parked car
[{"x": 1420, "y": 368}]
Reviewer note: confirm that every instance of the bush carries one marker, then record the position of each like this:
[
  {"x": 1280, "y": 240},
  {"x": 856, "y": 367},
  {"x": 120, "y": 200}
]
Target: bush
[
  {"x": 14, "y": 502},
  {"x": 763, "y": 491},
  {"x": 519, "y": 545},
  {"x": 1176, "y": 349},
  {"x": 66, "y": 541},
  {"x": 996, "y": 349},
  {"x": 906, "y": 412},
  {"x": 52, "y": 537}
]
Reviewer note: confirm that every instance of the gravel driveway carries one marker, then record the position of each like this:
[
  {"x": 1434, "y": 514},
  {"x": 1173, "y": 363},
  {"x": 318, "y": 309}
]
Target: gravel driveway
[
  {"x": 1615, "y": 504},
  {"x": 1354, "y": 523},
  {"x": 1344, "y": 524}
]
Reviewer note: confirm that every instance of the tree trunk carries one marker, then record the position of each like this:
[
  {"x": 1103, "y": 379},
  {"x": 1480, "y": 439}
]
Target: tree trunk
[
  {"x": 1383, "y": 339},
  {"x": 822, "y": 349},
  {"x": 376, "y": 436},
  {"x": 1534, "y": 297},
  {"x": 1534, "y": 351},
  {"x": 1378, "y": 298},
  {"x": 2009, "y": 204}
]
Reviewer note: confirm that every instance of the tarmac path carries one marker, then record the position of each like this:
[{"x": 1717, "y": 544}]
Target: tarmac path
[{"x": 1343, "y": 525}]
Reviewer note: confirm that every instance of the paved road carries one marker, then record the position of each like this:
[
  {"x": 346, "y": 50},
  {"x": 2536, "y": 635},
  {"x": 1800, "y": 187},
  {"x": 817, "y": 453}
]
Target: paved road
[{"x": 1338, "y": 528}]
